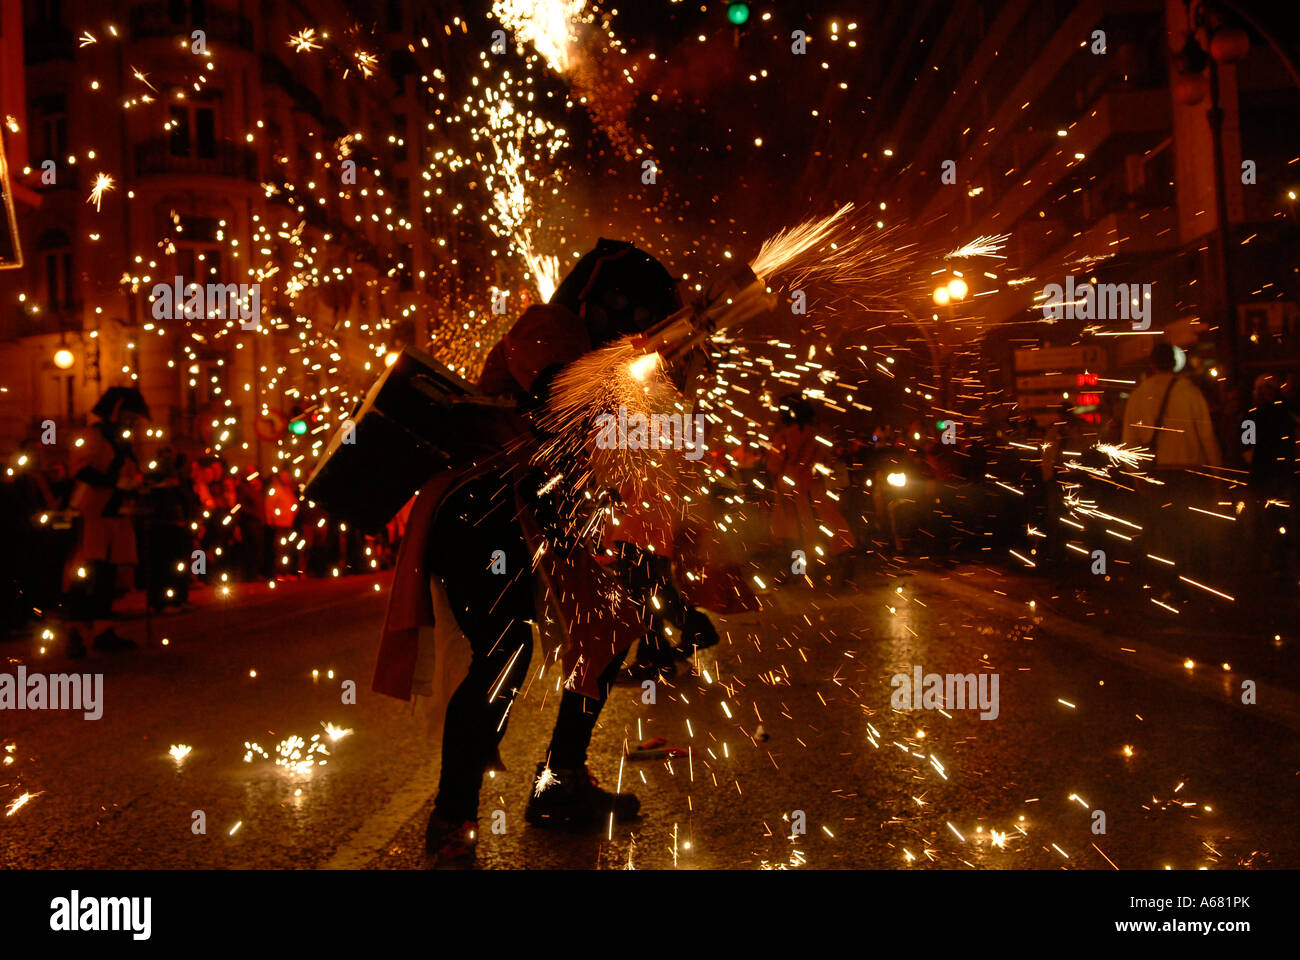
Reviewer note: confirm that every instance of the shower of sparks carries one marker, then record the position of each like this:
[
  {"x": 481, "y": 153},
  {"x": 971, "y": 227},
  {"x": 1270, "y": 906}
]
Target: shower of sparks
[
  {"x": 366, "y": 62},
  {"x": 103, "y": 183},
  {"x": 545, "y": 780},
  {"x": 18, "y": 803},
  {"x": 297, "y": 754},
  {"x": 642, "y": 367},
  {"x": 547, "y": 25},
  {"x": 336, "y": 733},
  {"x": 513, "y": 153},
  {"x": 545, "y": 270},
  {"x": 304, "y": 41},
  {"x": 786, "y": 247},
  {"x": 179, "y": 751},
  {"x": 1131, "y": 457},
  {"x": 981, "y": 247}
]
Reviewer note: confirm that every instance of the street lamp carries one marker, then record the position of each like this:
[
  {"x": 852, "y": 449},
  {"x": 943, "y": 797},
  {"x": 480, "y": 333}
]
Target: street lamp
[
  {"x": 954, "y": 291},
  {"x": 64, "y": 358}
]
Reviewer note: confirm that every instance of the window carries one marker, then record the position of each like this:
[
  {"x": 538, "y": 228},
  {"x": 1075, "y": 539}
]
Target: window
[
  {"x": 60, "y": 285},
  {"x": 49, "y": 11},
  {"x": 198, "y": 251},
  {"x": 207, "y": 379},
  {"x": 193, "y": 130},
  {"x": 58, "y": 280},
  {"x": 50, "y": 141},
  {"x": 406, "y": 276},
  {"x": 188, "y": 12}
]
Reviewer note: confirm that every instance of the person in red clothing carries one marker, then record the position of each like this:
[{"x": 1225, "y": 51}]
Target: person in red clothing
[
  {"x": 281, "y": 510},
  {"x": 802, "y": 510},
  {"x": 640, "y": 542},
  {"x": 106, "y": 478}
]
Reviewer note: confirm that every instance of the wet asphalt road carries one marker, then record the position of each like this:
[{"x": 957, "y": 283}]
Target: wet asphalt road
[{"x": 1185, "y": 775}]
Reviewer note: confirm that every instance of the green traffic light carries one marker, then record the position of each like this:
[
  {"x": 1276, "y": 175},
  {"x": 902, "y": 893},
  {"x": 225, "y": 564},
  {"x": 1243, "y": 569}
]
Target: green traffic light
[
  {"x": 738, "y": 13},
  {"x": 298, "y": 427}
]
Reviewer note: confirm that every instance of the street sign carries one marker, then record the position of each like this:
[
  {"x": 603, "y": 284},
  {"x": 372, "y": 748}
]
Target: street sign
[
  {"x": 1051, "y": 381},
  {"x": 1056, "y": 376},
  {"x": 1060, "y": 358}
]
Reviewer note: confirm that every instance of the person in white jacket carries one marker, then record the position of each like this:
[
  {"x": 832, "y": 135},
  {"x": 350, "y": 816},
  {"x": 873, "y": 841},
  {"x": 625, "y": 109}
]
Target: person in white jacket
[{"x": 1168, "y": 414}]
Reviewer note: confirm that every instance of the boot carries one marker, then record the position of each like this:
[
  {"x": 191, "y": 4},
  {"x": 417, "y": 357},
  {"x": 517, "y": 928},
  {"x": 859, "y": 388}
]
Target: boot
[
  {"x": 450, "y": 845},
  {"x": 574, "y": 798},
  {"x": 698, "y": 633}
]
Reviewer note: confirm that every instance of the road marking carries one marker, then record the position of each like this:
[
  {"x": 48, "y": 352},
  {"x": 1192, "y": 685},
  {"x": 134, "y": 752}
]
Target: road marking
[{"x": 369, "y": 840}]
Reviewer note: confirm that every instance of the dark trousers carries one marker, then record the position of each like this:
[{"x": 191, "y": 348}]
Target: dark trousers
[
  {"x": 577, "y": 721},
  {"x": 91, "y": 598},
  {"x": 648, "y": 575},
  {"x": 493, "y": 610}
]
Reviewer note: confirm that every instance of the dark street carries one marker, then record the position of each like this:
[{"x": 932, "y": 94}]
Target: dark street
[{"x": 1186, "y": 777}]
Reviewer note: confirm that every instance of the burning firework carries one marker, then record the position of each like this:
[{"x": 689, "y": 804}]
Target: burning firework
[
  {"x": 548, "y": 25},
  {"x": 981, "y": 247},
  {"x": 785, "y": 248}
]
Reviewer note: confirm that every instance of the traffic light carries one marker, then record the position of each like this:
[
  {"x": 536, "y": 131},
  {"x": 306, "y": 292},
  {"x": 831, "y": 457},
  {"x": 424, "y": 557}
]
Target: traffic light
[
  {"x": 738, "y": 13},
  {"x": 298, "y": 427}
]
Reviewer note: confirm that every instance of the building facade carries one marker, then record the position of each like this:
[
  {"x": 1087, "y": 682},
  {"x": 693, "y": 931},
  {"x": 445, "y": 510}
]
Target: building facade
[{"x": 229, "y": 145}]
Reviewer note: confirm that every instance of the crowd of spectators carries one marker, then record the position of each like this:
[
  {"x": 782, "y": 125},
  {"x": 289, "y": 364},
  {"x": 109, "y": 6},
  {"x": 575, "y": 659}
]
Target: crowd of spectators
[{"x": 82, "y": 530}]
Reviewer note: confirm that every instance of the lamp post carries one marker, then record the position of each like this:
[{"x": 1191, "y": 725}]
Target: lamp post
[
  {"x": 63, "y": 360},
  {"x": 1215, "y": 40},
  {"x": 952, "y": 292},
  {"x": 1228, "y": 322}
]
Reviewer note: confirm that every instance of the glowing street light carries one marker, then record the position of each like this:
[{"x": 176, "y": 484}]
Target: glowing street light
[
  {"x": 954, "y": 289},
  {"x": 64, "y": 359}
]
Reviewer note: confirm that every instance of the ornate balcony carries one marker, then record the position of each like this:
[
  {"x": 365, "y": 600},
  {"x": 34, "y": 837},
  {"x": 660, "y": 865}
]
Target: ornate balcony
[{"x": 153, "y": 157}]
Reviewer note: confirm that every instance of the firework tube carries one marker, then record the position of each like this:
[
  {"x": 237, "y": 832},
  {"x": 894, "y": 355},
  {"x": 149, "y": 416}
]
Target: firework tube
[{"x": 731, "y": 296}]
